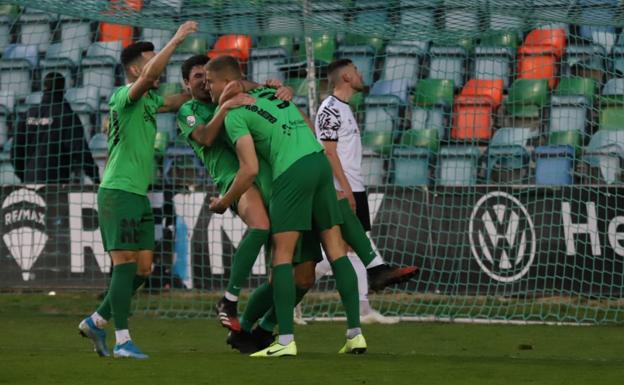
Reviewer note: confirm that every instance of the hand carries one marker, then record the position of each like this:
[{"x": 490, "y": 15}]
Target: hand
[
  {"x": 350, "y": 198},
  {"x": 185, "y": 29},
  {"x": 274, "y": 83},
  {"x": 285, "y": 93},
  {"x": 217, "y": 205},
  {"x": 239, "y": 100}
]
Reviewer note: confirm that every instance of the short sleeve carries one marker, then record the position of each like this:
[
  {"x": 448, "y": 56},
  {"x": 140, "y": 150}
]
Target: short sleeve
[
  {"x": 235, "y": 125},
  {"x": 157, "y": 99},
  {"x": 187, "y": 121},
  {"x": 328, "y": 123}
]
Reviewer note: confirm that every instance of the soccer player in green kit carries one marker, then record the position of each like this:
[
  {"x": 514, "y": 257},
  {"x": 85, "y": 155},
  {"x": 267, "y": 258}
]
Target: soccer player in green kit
[
  {"x": 303, "y": 195},
  {"x": 124, "y": 211}
]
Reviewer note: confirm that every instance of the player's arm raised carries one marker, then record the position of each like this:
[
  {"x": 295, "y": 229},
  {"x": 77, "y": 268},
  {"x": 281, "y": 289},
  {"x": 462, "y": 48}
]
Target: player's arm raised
[
  {"x": 205, "y": 134},
  {"x": 152, "y": 71},
  {"x": 247, "y": 172}
]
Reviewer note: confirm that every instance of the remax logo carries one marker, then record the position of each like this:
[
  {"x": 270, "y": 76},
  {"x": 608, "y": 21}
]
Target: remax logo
[{"x": 502, "y": 237}]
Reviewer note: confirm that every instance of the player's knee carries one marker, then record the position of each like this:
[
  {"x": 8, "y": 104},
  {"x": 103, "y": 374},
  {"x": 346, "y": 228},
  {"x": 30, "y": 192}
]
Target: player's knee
[
  {"x": 304, "y": 282},
  {"x": 144, "y": 271}
]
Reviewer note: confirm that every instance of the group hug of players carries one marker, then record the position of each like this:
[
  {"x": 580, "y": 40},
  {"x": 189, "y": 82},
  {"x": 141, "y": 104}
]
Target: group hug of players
[{"x": 270, "y": 168}]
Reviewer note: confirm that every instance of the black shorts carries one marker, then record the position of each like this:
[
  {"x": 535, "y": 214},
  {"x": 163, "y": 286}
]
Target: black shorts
[{"x": 361, "y": 209}]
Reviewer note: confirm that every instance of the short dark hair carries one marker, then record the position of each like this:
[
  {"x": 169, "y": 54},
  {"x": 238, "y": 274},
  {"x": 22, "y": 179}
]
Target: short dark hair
[
  {"x": 336, "y": 65},
  {"x": 134, "y": 51},
  {"x": 196, "y": 60},
  {"x": 54, "y": 82},
  {"x": 225, "y": 63}
]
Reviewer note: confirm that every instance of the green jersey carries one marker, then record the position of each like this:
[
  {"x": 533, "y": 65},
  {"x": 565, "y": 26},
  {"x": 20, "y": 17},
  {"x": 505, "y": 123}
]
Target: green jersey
[
  {"x": 279, "y": 132},
  {"x": 132, "y": 130},
  {"x": 220, "y": 161}
]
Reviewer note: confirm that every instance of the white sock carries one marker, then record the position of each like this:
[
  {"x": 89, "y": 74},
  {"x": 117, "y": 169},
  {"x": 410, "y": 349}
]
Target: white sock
[
  {"x": 231, "y": 297},
  {"x": 365, "y": 307},
  {"x": 322, "y": 268},
  {"x": 362, "y": 276},
  {"x": 285, "y": 339},
  {"x": 353, "y": 332},
  {"x": 375, "y": 262},
  {"x": 122, "y": 336},
  {"x": 98, "y": 320}
]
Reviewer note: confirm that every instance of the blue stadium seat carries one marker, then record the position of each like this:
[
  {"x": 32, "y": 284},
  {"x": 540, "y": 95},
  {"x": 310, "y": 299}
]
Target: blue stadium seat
[
  {"x": 17, "y": 65},
  {"x": 605, "y": 152},
  {"x": 35, "y": 29},
  {"x": 458, "y": 166},
  {"x": 363, "y": 56},
  {"x": 402, "y": 62},
  {"x": 601, "y": 35},
  {"x": 568, "y": 113},
  {"x": 585, "y": 61},
  {"x": 398, "y": 88},
  {"x": 448, "y": 63},
  {"x": 382, "y": 113},
  {"x": 263, "y": 64},
  {"x": 98, "y": 66},
  {"x": 493, "y": 63},
  {"x": 508, "y": 157},
  {"x": 158, "y": 37},
  {"x": 554, "y": 165}
]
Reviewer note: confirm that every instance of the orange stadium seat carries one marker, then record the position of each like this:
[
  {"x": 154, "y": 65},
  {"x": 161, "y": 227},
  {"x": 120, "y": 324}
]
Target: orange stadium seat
[
  {"x": 538, "y": 62},
  {"x": 238, "y": 46},
  {"x": 492, "y": 89},
  {"x": 554, "y": 38},
  {"x": 115, "y": 32},
  {"x": 472, "y": 118}
]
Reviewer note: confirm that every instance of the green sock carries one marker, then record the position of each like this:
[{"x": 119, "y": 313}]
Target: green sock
[
  {"x": 284, "y": 297},
  {"x": 105, "y": 308},
  {"x": 260, "y": 301},
  {"x": 353, "y": 233},
  {"x": 245, "y": 257},
  {"x": 269, "y": 321},
  {"x": 347, "y": 285},
  {"x": 121, "y": 293}
]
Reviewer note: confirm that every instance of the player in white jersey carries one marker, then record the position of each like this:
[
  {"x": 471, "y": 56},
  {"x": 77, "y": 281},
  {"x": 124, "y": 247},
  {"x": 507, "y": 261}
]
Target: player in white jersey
[{"x": 338, "y": 131}]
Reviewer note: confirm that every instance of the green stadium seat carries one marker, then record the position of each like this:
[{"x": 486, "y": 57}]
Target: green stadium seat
[
  {"x": 375, "y": 42},
  {"x": 273, "y": 41},
  {"x": 612, "y": 119},
  {"x": 572, "y": 138},
  {"x": 525, "y": 101},
  {"x": 378, "y": 141},
  {"x": 434, "y": 92},
  {"x": 575, "y": 86},
  {"x": 507, "y": 39},
  {"x": 324, "y": 48},
  {"x": 428, "y": 138}
]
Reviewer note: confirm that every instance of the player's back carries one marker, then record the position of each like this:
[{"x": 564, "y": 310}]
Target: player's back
[
  {"x": 278, "y": 129},
  {"x": 132, "y": 131}
]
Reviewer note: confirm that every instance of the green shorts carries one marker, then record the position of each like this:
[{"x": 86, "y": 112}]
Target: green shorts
[
  {"x": 304, "y": 197},
  {"x": 126, "y": 220},
  {"x": 308, "y": 248}
]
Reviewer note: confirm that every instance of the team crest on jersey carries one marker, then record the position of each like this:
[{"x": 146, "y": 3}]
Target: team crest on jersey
[{"x": 190, "y": 120}]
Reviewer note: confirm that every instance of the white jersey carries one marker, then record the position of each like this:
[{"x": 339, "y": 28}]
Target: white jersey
[{"x": 335, "y": 123}]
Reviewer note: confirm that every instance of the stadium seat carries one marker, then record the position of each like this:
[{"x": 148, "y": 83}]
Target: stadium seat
[
  {"x": 585, "y": 61},
  {"x": 109, "y": 32},
  {"x": 327, "y": 12},
  {"x": 263, "y": 64},
  {"x": 324, "y": 47},
  {"x": 574, "y": 86},
  {"x": 59, "y": 60},
  {"x": 98, "y": 66},
  {"x": 415, "y": 156},
  {"x": 363, "y": 56},
  {"x": 285, "y": 16},
  {"x": 238, "y": 46},
  {"x": 507, "y": 164},
  {"x": 372, "y": 41},
  {"x": 373, "y": 170},
  {"x": 613, "y": 93},
  {"x": 433, "y": 101},
  {"x": 17, "y": 65},
  {"x": 573, "y": 138},
  {"x": 502, "y": 19},
  {"x": 458, "y": 166},
  {"x": 158, "y": 37},
  {"x": 371, "y": 12},
  {"x": 272, "y": 41},
  {"x": 460, "y": 17},
  {"x": 493, "y": 63},
  {"x": 238, "y": 17},
  {"x": 568, "y": 113},
  {"x": 515, "y": 136},
  {"x": 491, "y": 89},
  {"x": 525, "y": 101},
  {"x": 99, "y": 150},
  {"x": 85, "y": 102},
  {"x": 35, "y": 29},
  {"x": 32, "y": 99},
  {"x": 472, "y": 118},
  {"x": 402, "y": 62},
  {"x": 618, "y": 61},
  {"x": 546, "y": 40},
  {"x": 595, "y": 12},
  {"x": 398, "y": 88},
  {"x": 448, "y": 63},
  {"x": 75, "y": 33},
  {"x": 536, "y": 63},
  {"x": 415, "y": 12},
  {"x": 381, "y": 113},
  {"x": 5, "y": 32},
  {"x": 605, "y": 152},
  {"x": 197, "y": 45},
  {"x": 508, "y": 39},
  {"x": 612, "y": 119},
  {"x": 554, "y": 165},
  {"x": 378, "y": 141}
]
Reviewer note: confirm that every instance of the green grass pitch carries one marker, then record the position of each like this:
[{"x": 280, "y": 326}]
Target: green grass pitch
[{"x": 39, "y": 344}]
